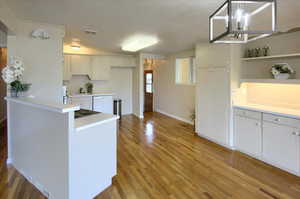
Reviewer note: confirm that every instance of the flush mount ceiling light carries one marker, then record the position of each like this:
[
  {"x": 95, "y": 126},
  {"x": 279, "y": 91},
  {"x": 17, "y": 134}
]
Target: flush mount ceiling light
[
  {"x": 139, "y": 42},
  {"x": 75, "y": 44},
  {"x": 242, "y": 21}
]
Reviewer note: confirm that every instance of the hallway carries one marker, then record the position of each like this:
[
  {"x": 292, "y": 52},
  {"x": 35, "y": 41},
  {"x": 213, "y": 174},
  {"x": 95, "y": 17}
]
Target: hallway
[{"x": 160, "y": 157}]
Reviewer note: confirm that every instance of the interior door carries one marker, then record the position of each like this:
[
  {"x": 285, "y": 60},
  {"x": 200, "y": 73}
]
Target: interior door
[{"x": 148, "y": 91}]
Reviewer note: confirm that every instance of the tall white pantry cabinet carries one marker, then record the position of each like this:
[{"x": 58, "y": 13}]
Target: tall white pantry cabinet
[{"x": 216, "y": 77}]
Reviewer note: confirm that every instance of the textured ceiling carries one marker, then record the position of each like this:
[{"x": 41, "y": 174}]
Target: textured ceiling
[{"x": 178, "y": 24}]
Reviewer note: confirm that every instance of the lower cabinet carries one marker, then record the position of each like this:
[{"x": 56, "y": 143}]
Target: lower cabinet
[
  {"x": 281, "y": 146},
  {"x": 248, "y": 135},
  {"x": 271, "y": 138},
  {"x": 103, "y": 104},
  {"x": 84, "y": 102}
]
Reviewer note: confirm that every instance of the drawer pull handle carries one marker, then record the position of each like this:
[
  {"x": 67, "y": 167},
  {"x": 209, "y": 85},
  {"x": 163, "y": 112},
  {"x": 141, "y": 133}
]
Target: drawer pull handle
[
  {"x": 277, "y": 120},
  {"x": 294, "y": 133}
]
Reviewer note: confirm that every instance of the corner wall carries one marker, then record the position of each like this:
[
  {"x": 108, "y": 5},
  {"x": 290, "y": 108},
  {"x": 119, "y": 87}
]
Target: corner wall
[
  {"x": 172, "y": 99},
  {"x": 43, "y": 59}
]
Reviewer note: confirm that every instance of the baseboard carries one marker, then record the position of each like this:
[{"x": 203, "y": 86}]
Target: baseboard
[
  {"x": 175, "y": 117},
  {"x": 216, "y": 142},
  {"x": 9, "y": 161},
  {"x": 139, "y": 116}
]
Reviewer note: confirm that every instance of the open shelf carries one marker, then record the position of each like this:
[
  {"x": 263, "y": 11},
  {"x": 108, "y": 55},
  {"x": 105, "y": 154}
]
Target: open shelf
[
  {"x": 271, "y": 81},
  {"x": 272, "y": 57}
]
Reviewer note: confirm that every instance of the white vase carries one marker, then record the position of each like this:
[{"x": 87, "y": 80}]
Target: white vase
[{"x": 282, "y": 76}]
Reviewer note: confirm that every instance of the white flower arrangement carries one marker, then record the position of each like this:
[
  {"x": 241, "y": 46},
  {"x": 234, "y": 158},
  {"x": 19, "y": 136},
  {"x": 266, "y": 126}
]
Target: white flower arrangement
[
  {"x": 13, "y": 71},
  {"x": 282, "y": 68},
  {"x": 12, "y": 74}
]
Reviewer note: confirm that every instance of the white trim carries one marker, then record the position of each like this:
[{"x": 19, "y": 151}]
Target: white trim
[
  {"x": 174, "y": 116},
  {"x": 139, "y": 116},
  {"x": 9, "y": 161},
  {"x": 216, "y": 142}
]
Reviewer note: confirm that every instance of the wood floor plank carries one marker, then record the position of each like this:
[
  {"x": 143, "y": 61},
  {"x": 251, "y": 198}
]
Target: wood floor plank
[{"x": 161, "y": 158}]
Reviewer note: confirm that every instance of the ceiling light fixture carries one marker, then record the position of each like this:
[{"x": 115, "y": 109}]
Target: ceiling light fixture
[
  {"x": 138, "y": 42},
  {"x": 75, "y": 44},
  {"x": 237, "y": 21}
]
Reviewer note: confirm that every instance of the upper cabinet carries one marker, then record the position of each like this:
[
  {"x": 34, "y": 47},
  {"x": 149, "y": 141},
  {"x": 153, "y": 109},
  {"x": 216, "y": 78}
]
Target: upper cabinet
[
  {"x": 122, "y": 61},
  {"x": 100, "y": 68},
  {"x": 80, "y": 65},
  {"x": 96, "y": 67}
]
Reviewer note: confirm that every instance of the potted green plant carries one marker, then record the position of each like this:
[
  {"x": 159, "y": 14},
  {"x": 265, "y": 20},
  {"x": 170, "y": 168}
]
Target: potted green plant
[{"x": 89, "y": 87}]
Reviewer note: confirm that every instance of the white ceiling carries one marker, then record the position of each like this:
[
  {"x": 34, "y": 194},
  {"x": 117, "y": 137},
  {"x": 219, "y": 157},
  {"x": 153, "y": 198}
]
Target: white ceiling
[{"x": 179, "y": 24}]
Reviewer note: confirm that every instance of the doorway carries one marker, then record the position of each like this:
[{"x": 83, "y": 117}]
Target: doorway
[{"x": 148, "y": 91}]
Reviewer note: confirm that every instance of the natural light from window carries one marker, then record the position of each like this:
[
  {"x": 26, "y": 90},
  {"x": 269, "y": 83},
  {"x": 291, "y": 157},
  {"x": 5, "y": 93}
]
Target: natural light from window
[{"x": 185, "y": 71}]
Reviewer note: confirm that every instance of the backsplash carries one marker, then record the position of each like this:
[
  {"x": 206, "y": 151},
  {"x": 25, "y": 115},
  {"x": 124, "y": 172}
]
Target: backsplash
[
  {"x": 120, "y": 84},
  {"x": 279, "y": 95}
]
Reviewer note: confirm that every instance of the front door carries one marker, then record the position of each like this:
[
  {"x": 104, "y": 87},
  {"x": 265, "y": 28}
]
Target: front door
[{"x": 148, "y": 90}]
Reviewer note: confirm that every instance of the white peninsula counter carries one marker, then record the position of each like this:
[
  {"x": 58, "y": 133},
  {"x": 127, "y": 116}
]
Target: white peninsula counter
[{"x": 64, "y": 157}]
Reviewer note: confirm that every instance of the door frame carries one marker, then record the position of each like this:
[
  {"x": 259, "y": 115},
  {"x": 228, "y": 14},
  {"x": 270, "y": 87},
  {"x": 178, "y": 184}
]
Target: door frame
[{"x": 145, "y": 83}]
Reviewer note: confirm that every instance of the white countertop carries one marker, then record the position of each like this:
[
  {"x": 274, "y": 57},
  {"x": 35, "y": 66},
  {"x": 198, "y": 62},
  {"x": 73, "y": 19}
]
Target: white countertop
[
  {"x": 92, "y": 95},
  {"x": 286, "y": 112},
  {"x": 93, "y": 120},
  {"x": 34, "y": 102}
]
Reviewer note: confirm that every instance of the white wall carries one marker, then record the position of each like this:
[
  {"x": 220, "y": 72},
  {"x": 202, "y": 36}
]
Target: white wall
[
  {"x": 43, "y": 59},
  {"x": 170, "y": 98},
  {"x": 38, "y": 146},
  {"x": 119, "y": 84}
]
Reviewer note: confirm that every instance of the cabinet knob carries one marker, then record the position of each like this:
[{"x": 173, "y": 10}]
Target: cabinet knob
[
  {"x": 277, "y": 120},
  {"x": 257, "y": 124},
  {"x": 296, "y": 133}
]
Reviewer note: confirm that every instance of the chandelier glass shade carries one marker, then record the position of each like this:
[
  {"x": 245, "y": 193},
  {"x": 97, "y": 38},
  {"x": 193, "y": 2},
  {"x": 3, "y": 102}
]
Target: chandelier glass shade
[{"x": 242, "y": 21}]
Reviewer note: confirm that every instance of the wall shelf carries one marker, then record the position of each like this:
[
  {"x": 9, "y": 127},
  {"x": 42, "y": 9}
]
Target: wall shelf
[
  {"x": 271, "y": 81},
  {"x": 272, "y": 57}
]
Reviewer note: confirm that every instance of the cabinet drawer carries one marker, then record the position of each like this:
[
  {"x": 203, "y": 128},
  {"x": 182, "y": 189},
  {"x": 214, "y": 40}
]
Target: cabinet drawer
[
  {"x": 247, "y": 113},
  {"x": 83, "y": 102},
  {"x": 281, "y": 120}
]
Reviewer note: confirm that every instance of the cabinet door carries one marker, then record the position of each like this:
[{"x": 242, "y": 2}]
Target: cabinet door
[
  {"x": 80, "y": 65},
  {"x": 213, "y": 107},
  {"x": 122, "y": 61},
  {"x": 281, "y": 146},
  {"x": 67, "y": 68},
  {"x": 248, "y": 135},
  {"x": 83, "y": 102},
  {"x": 100, "y": 68},
  {"x": 103, "y": 104}
]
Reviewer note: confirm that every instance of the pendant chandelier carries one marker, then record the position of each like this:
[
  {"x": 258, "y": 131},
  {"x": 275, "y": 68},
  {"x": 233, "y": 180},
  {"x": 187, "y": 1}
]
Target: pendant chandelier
[{"x": 242, "y": 21}]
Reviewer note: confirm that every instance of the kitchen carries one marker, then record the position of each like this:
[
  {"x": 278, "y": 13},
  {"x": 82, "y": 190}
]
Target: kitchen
[
  {"x": 225, "y": 124},
  {"x": 110, "y": 78}
]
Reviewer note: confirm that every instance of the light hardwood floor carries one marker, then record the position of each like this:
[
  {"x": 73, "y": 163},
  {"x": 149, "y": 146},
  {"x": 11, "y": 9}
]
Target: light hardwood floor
[{"x": 161, "y": 158}]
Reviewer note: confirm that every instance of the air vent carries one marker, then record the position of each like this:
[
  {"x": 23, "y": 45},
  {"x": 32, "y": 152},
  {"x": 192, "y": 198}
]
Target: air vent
[{"x": 90, "y": 31}]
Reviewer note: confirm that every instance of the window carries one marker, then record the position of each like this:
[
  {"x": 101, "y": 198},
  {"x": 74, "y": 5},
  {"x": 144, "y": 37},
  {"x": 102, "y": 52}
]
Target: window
[
  {"x": 149, "y": 84},
  {"x": 185, "y": 70}
]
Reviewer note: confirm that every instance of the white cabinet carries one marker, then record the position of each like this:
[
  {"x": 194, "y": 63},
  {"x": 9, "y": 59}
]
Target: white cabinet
[
  {"x": 67, "y": 68},
  {"x": 103, "y": 104},
  {"x": 100, "y": 68},
  {"x": 85, "y": 102},
  {"x": 268, "y": 137},
  {"x": 122, "y": 61},
  {"x": 213, "y": 111},
  {"x": 281, "y": 146},
  {"x": 248, "y": 135},
  {"x": 80, "y": 65}
]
